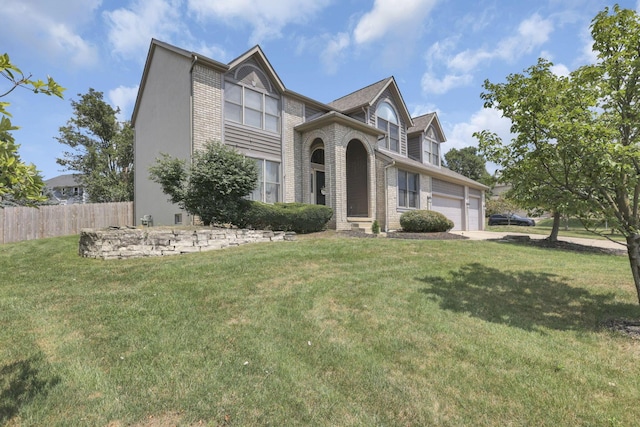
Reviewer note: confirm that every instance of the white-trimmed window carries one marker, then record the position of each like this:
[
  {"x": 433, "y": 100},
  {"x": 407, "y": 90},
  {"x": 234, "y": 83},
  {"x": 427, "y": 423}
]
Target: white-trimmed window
[
  {"x": 251, "y": 107},
  {"x": 387, "y": 120},
  {"x": 268, "y": 188},
  {"x": 431, "y": 147},
  {"x": 408, "y": 189}
]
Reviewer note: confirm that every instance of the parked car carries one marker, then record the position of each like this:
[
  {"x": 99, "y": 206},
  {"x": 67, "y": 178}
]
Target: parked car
[{"x": 510, "y": 219}]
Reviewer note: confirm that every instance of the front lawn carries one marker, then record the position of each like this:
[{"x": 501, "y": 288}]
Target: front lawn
[{"x": 325, "y": 331}]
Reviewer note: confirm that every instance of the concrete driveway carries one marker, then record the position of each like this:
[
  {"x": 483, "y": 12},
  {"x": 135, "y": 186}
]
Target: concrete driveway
[{"x": 491, "y": 235}]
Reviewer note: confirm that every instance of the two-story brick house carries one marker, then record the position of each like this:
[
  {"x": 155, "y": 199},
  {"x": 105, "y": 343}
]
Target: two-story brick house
[{"x": 363, "y": 154}]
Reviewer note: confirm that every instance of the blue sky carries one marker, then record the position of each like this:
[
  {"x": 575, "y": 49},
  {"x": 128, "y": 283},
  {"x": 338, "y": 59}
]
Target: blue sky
[{"x": 439, "y": 51}]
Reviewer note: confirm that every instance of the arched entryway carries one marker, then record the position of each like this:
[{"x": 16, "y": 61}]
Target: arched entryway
[
  {"x": 318, "y": 188},
  {"x": 357, "y": 180}
]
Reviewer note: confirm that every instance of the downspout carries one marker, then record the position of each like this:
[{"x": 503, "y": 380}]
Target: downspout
[
  {"x": 190, "y": 219},
  {"x": 386, "y": 195}
]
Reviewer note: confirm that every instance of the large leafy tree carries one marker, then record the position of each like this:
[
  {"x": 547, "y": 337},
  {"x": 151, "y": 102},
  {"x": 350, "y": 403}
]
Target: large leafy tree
[
  {"x": 468, "y": 162},
  {"x": 102, "y": 149},
  {"x": 19, "y": 182},
  {"x": 213, "y": 187},
  {"x": 540, "y": 160},
  {"x": 595, "y": 128}
]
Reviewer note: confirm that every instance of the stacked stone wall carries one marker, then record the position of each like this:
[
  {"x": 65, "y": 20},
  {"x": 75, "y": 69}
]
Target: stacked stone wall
[{"x": 118, "y": 243}]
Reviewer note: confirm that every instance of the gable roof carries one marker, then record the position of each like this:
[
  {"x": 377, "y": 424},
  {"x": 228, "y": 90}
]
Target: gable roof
[
  {"x": 258, "y": 55},
  {"x": 422, "y": 123},
  {"x": 368, "y": 95},
  {"x": 66, "y": 180},
  {"x": 436, "y": 172},
  {"x": 360, "y": 98}
]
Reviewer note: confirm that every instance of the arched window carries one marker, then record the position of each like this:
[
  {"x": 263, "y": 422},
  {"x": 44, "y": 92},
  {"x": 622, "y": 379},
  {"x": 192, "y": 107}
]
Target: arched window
[
  {"x": 318, "y": 156},
  {"x": 431, "y": 147},
  {"x": 387, "y": 120}
]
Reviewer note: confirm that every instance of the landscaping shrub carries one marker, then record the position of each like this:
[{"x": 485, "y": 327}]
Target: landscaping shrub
[
  {"x": 425, "y": 221},
  {"x": 299, "y": 217}
]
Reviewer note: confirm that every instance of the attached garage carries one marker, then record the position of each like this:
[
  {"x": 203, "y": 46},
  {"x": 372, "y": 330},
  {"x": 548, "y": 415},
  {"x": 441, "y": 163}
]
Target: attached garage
[
  {"x": 451, "y": 208},
  {"x": 475, "y": 213}
]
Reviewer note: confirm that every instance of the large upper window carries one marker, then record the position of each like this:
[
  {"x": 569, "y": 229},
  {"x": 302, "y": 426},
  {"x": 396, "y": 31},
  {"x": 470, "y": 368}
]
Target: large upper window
[
  {"x": 431, "y": 147},
  {"x": 408, "y": 189},
  {"x": 268, "y": 188},
  {"x": 251, "y": 107},
  {"x": 388, "y": 122}
]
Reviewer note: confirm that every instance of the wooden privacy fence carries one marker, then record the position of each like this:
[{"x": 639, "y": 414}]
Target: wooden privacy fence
[{"x": 22, "y": 223}]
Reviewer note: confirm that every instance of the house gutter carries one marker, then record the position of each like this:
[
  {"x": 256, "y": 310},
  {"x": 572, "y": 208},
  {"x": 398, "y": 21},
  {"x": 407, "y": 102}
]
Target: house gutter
[{"x": 386, "y": 195}]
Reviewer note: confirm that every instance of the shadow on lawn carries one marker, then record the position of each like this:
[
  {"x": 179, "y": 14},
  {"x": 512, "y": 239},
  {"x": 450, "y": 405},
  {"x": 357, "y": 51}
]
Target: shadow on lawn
[
  {"x": 20, "y": 383},
  {"x": 525, "y": 300}
]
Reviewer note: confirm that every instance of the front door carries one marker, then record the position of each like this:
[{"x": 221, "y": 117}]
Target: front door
[{"x": 320, "y": 188}]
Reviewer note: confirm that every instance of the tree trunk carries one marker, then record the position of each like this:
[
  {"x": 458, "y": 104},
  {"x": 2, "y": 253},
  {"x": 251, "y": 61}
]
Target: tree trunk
[
  {"x": 553, "y": 237},
  {"x": 633, "y": 250}
]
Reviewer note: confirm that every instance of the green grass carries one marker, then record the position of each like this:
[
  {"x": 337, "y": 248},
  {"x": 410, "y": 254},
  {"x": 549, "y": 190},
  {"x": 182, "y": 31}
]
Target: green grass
[
  {"x": 322, "y": 331},
  {"x": 571, "y": 228}
]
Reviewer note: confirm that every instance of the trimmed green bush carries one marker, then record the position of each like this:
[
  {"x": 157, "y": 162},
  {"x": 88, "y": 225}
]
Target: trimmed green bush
[
  {"x": 299, "y": 217},
  {"x": 425, "y": 221}
]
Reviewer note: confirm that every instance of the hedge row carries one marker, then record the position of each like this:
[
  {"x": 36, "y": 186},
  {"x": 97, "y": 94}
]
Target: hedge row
[{"x": 298, "y": 217}]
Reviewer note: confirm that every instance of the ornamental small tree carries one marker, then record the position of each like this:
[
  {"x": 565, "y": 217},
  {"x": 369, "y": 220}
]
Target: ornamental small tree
[{"x": 213, "y": 187}]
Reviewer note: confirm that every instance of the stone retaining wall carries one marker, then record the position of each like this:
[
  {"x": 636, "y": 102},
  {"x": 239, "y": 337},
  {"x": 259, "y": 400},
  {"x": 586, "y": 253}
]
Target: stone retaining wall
[{"x": 123, "y": 242}]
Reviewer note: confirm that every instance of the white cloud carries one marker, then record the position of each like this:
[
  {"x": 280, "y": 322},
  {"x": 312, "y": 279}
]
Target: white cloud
[
  {"x": 422, "y": 109},
  {"x": 52, "y": 28},
  {"x": 532, "y": 32},
  {"x": 560, "y": 70},
  {"x": 334, "y": 52},
  {"x": 131, "y": 29},
  {"x": 431, "y": 84},
  {"x": 588, "y": 56},
  {"x": 214, "y": 52},
  {"x": 460, "y": 135},
  {"x": 387, "y": 16},
  {"x": 124, "y": 98},
  {"x": 267, "y": 18}
]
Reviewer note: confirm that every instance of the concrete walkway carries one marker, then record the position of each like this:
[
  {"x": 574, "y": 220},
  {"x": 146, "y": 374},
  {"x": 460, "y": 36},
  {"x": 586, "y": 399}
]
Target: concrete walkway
[{"x": 491, "y": 235}]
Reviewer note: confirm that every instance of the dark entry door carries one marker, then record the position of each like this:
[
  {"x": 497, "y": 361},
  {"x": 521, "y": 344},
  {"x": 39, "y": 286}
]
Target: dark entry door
[{"x": 320, "y": 198}]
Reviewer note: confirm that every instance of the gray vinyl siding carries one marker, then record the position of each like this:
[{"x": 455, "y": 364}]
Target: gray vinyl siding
[
  {"x": 360, "y": 116},
  {"x": 311, "y": 112},
  {"x": 252, "y": 142},
  {"x": 448, "y": 188},
  {"x": 163, "y": 125},
  {"x": 414, "y": 148},
  {"x": 475, "y": 192}
]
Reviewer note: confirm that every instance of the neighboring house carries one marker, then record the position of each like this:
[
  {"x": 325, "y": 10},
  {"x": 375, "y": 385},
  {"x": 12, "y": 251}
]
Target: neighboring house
[
  {"x": 499, "y": 189},
  {"x": 65, "y": 190},
  {"x": 363, "y": 154}
]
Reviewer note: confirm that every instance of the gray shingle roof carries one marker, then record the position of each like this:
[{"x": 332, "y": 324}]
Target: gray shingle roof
[
  {"x": 67, "y": 180},
  {"x": 359, "y": 98},
  {"x": 435, "y": 171},
  {"x": 420, "y": 123}
]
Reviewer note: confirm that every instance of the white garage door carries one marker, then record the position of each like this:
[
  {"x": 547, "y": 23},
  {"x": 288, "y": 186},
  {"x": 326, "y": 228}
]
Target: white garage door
[
  {"x": 451, "y": 208},
  {"x": 474, "y": 213}
]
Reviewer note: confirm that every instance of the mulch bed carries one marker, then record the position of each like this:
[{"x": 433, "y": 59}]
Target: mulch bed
[
  {"x": 404, "y": 235},
  {"x": 631, "y": 328}
]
